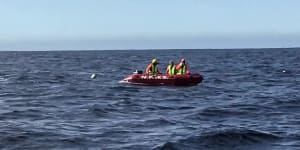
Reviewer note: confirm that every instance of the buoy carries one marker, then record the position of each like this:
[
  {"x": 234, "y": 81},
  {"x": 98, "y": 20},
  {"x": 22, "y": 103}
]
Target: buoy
[
  {"x": 93, "y": 76},
  {"x": 283, "y": 71}
]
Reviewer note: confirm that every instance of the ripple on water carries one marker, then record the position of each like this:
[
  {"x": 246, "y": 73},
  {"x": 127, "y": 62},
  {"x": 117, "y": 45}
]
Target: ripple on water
[{"x": 227, "y": 139}]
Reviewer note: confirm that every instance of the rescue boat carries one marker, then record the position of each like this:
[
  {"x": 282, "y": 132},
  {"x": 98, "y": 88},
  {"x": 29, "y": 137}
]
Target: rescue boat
[{"x": 174, "y": 80}]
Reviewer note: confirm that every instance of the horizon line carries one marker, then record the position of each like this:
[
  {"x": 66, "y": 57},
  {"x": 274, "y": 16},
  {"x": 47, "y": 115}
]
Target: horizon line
[{"x": 154, "y": 49}]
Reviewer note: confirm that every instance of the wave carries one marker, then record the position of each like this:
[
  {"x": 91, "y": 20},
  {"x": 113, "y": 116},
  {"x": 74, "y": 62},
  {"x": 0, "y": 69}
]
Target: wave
[
  {"x": 17, "y": 114},
  {"x": 101, "y": 110},
  {"x": 217, "y": 112},
  {"x": 158, "y": 122},
  {"x": 124, "y": 88},
  {"x": 30, "y": 140},
  {"x": 3, "y": 79},
  {"x": 227, "y": 139}
]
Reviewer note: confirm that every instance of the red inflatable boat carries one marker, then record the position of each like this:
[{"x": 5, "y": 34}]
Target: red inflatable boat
[{"x": 175, "y": 80}]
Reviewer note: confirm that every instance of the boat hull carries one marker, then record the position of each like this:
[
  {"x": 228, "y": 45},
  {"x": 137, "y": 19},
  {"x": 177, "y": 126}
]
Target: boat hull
[{"x": 155, "y": 80}]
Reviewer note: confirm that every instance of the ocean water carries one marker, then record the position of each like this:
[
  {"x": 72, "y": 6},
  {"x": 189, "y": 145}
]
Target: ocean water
[{"x": 249, "y": 99}]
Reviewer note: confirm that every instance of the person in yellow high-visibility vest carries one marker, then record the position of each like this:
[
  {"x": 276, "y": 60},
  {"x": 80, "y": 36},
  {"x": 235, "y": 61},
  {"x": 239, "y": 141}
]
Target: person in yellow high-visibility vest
[
  {"x": 152, "y": 68},
  {"x": 171, "y": 69},
  {"x": 182, "y": 68}
]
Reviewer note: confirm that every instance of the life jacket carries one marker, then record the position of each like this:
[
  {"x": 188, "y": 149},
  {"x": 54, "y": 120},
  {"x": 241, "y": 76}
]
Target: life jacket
[
  {"x": 171, "y": 69},
  {"x": 153, "y": 70},
  {"x": 182, "y": 70}
]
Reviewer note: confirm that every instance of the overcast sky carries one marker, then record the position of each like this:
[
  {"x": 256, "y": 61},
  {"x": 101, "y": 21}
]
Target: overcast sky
[{"x": 147, "y": 24}]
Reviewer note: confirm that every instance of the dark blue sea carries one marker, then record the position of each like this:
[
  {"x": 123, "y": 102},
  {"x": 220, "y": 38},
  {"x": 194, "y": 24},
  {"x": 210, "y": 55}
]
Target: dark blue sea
[{"x": 249, "y": 100}]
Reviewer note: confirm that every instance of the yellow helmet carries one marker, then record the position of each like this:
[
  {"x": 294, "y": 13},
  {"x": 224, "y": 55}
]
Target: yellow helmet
[{"x": 154, "y": 61}]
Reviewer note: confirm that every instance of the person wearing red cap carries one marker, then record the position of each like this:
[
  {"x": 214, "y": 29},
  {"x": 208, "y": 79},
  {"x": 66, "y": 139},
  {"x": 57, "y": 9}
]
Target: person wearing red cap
[{"x": 182, "y": 68}]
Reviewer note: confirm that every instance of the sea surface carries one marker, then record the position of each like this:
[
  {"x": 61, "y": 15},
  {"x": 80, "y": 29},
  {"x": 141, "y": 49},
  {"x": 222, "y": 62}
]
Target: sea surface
[{"x": 249, "y": 100}]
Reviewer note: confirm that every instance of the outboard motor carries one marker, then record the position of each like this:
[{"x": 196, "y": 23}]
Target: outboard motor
[{"x": 138, "y": 72}]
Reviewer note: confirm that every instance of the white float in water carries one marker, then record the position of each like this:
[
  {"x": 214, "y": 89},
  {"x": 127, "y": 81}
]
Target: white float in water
[
  {"x": 283, "y": 71},
  {"x": 93, "y": 76}
]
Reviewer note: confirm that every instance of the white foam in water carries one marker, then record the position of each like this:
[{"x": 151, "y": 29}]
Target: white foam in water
[
  {"x": 93, "y": 76},
  {"x": 122, "y": 81},
  {"x": 3, "y": 79}
]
